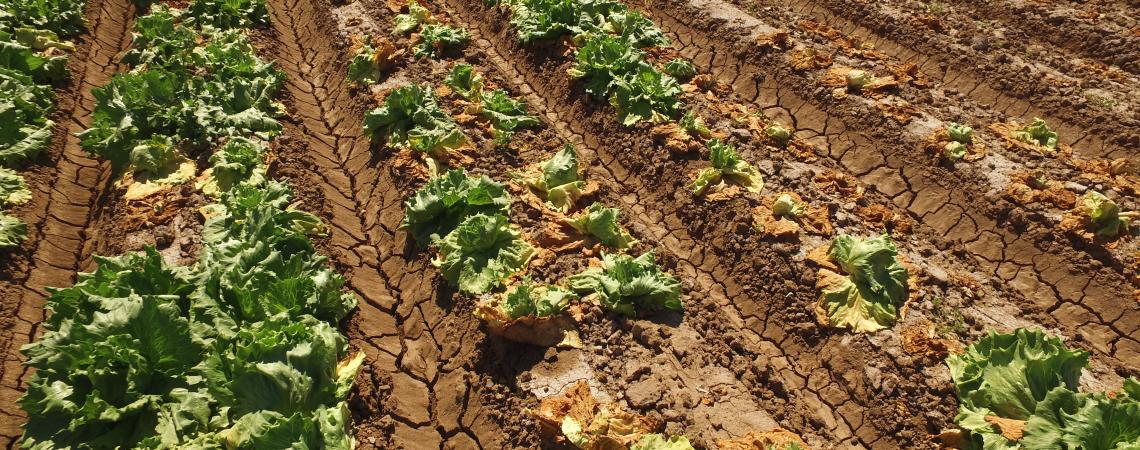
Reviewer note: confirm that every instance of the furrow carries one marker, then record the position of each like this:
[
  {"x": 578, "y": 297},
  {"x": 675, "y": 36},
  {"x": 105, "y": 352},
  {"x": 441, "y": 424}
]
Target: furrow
[{"x": 65, "y": 202}]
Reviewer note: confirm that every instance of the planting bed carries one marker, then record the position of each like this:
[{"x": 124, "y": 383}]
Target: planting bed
[{"x": 992, "y": 240}]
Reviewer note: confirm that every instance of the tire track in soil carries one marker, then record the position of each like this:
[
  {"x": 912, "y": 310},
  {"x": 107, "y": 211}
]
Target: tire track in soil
[
  {"x": 1103, "y": 135},
  {"x": 65, "y": 204},
  {"x": 1080, "y": 293},
  {"x": 821, "y": 387},
  {"x": 415, "y": 390}
]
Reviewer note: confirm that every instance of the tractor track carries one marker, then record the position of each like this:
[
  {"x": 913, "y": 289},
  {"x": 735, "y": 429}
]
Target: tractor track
[
  {"x": 1080, "y": 293},
  {"x": 68, "y": 190},
  {"x": 996, "y": 85}
]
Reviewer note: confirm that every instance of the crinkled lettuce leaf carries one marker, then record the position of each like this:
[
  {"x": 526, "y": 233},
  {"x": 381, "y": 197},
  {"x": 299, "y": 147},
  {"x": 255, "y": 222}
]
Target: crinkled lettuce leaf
[
  {"x": 437, "y": 39},
  {"x": 601, "y": 223},
  {"x": 560, "y": 179},
  {"x": 628, "y": 285},
  {"x": 1072, "y": 420},
  {"x": 465, "y": 81},
  {"x": 411, "y": 117},
  {"x": 13, "y": 189},
  {"x": 872, "y": 288},
  {"x": 481, "y": 253},
  {"x": 657, "y": 441},
  {"x": 539, "y": 300},
  {"x": 727, "y": 166},
  {"x": 438, "y": 208},
  {"x": 1104, "y": 214},
  {"x": 13, "y": 231}
]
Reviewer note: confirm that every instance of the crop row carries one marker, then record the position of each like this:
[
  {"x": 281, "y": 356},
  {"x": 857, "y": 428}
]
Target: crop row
[
  {"x": 33, "y": 56},
  {"x": 240, "y": 349}
]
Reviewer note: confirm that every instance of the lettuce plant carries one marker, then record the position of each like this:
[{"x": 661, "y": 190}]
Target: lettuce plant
[
  {"x": 537, "y": 20},
  {"x": 960, "y": 133},
  {"x": 13, "y": 231},
  {"x": 25, "y": 53},
  {"x": 63, "y": 17},
  {"x": 694, "y": 125},
  {"x": 1015, "y": 377},
  {"x": 954, "y": 151},
  {"x": 1067, "y": 419},
  {"x": 240, "y": 160},
  {"x": 437, "y": 208},
  {"x": 412, "y": 118},
  {"x": 778, "y": 133},
  {"x": 465, "y": 81},
  {"x": 437, "y": 39},
  {"x": 635, "y": 29},
  {"x": 411, "y": 21},
  {"x": 874, "y": 287},
  {"x": 680, "y": 68},
  {"x": 786, "y": 206},
  {"x": 13, "y": 189},
  {"x": 227, "y": 14},
  {"x": 529, "y": 299},
  {"x": 371, "y": 59},
  {"x": 1104, "y": 215},
  {"x": 856, "y": 79},
  {"x": 560, "y": 179},
  {"x": 1037, "y": 133},
  {"x": 628, "y": 285},
  {"x": 601, "y": 223},
  {"x": 505, "y": 113},
  {"x": 481, "y": 253},
  {"x": 25, "y": 129},
  {"x": 727, "y": 165},
  {"x": 614, "y": 69}
]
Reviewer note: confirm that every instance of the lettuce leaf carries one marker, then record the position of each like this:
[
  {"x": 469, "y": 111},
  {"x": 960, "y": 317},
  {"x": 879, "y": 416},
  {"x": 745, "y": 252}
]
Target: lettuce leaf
[
  {"x": 1067, "y": 419},
  {"x": 1007, "y": 375},
  {"x": 727, "y": 166},
  {"x": 628, "y": 285},
  {"x": 560, "y": 179},
  {"x": 602, "y": 224},
  {"x": 1037, "y": 133},
  {"x": 13, "y": 231},
  {"x": 869, "y": 296},
  {"x": 660, "y": 442},
  {"x": 438, "y": 208},
  {"x": 527, "y": 299},
  {"x": 412, "y": 118},
  {"x": 481, "y": 253},
  {"x": 465, "y": 81},
  {"x": 13, "y": 189},
  {"x": 437, "y": 39},
  {"x": 411, "y": 21},
  {"x": 1104, "y": 214}
]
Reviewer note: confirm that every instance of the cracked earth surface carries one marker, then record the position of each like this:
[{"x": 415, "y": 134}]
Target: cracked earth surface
[
  {"x": 747, "y": 355},
  {"x": 955, "y": 206},
  {"x": 67, "y": 187}
]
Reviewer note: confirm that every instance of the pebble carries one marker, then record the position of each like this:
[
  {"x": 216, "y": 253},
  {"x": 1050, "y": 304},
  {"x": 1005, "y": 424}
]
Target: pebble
[{"x": 1076, "y": 187}]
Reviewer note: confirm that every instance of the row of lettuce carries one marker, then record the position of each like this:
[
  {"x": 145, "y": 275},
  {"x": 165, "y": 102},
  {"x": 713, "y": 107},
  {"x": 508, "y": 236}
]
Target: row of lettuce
[
  {"x": 1016, "y": 390},
  {"x": 240, "y": 349},
  {"x": 34, "y": 49},
  {"x": 465, "y": 218}
]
